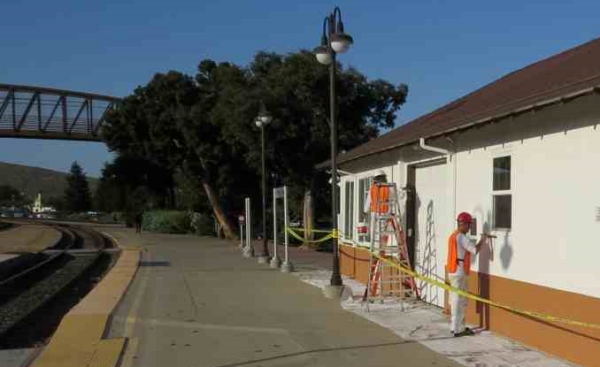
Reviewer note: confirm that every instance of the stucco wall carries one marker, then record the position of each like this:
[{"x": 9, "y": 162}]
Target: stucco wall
[
  {"x": 555, "y": 184},
  {"x": 547, "y": 261}
]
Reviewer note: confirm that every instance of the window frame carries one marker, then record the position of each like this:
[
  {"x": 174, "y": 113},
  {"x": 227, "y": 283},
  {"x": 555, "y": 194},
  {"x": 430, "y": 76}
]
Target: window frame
[
  {"x": 509, "y": 192},
  {"x": 363, "y": 240},
  {"x": 349, "y": 210}
]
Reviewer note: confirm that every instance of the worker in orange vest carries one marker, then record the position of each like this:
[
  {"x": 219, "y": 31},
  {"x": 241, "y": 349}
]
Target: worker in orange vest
[
  {"x": 377, "y": 201},
  {"x": 458, "y": 266},
  {"x": 381, "y": 194}
]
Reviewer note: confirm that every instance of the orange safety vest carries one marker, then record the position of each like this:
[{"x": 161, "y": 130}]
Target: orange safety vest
[
  {"x": 453, "y": 260},
  {"x": 379, "y": 199}
]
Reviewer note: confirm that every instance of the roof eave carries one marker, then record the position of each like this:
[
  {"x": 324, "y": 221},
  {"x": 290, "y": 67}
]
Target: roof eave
[{"x": 467, "y": 126}]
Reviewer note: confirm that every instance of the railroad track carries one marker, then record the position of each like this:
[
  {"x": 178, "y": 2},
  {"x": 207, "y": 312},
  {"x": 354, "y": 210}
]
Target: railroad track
[{"x": 43, "y": 278}]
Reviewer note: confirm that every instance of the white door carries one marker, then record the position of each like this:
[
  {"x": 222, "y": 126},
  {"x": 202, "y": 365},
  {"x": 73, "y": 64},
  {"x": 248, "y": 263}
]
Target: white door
[{"x": 432, "y": 206}]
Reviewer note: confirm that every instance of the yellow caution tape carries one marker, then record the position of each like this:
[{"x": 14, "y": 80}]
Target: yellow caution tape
[
  {"x": 537, "y": 315},
  {"x": 323, "y": 239},
  {"x": 312, "y": 230}
]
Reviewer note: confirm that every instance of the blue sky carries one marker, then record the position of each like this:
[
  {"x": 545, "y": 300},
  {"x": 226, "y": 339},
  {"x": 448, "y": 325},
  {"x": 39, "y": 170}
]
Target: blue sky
[{"x": 441, "y": 49}]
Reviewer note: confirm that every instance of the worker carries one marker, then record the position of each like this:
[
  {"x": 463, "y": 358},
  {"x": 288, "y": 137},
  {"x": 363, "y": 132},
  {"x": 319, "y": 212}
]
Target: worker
[
  {"x": 382, "y": 193},
  {"x": 458, "y": 267},
  {"x": 377, "y": 201}
]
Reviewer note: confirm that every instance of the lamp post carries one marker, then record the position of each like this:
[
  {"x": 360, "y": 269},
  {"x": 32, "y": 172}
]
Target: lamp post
[
  {"x": 333, "y": 41},
  {"x": 262, "y": 120}
]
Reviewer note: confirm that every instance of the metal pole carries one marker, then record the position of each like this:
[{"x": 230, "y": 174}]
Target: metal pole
[
  {"x": 287, "y": 266},
  {"x": 275, "y": 262},
  {"x": 249, "y": 226},
  {"x": 336, "y": 278},
  {"x": 264, "y": 257},
  {"x": 248, "y": 249},
  {"x": 274, "y": 224}
]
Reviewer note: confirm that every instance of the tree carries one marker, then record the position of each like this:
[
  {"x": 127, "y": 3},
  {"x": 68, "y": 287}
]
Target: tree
[
  {"x": 10, "y": 196},
  {"x": 295, "y": 88},
  {"x": 77, "y": 196},
  {"x": 126, "y": 174},
  {"x": 165, "y": 122},
  {"x": 202, "y": 128},
  {"x": 55, "y": 202}
]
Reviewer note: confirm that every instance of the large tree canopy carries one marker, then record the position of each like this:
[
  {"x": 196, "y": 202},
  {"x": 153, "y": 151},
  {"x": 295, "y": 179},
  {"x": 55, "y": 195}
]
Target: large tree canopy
[{"x": 203, "y": 128}]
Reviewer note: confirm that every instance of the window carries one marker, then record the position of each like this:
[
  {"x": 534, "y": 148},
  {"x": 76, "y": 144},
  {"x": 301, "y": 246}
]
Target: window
[
  {"x": 349, "y": 210},
  {"x": 502, "y": 173},
  {"x": 502, "y": 195},
  {"x": 364, "y": 185}
]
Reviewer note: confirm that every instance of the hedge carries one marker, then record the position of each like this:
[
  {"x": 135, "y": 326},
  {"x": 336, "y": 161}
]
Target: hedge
[{"x": 167, "y": 221}]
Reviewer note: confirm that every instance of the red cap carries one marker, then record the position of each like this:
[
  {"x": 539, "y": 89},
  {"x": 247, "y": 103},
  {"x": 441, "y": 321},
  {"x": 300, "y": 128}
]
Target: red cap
[{"x": 464, "y": 217}]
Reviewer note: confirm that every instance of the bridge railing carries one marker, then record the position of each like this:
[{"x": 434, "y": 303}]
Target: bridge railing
[{"x": 46, "y": 113}]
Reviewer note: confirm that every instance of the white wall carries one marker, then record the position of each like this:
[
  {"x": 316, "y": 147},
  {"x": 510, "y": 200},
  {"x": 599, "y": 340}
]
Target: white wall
[
  {"x": 555, "y": 174},
  {"x": 555, "y": 235}
]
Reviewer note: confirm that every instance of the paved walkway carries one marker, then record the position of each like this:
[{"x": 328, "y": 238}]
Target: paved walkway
[
  {"x": 197, "y": 302},
  {"x": 28, "y": 238},
  {"x": 427, "y": 325}
]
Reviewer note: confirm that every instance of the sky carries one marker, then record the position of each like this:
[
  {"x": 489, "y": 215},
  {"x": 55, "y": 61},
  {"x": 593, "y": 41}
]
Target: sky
[{"x": 441, "y": 49}]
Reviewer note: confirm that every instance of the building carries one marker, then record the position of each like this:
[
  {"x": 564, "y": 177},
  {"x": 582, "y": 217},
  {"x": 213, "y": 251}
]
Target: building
[
  {"x": 522, "y": 155},
  {"x": 40, "y": 211}
]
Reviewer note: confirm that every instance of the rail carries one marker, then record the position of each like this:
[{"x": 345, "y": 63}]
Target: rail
[{"x": 30, "y": 289}]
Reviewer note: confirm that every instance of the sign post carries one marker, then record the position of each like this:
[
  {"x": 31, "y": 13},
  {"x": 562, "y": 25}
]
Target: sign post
[
  {"x": 287, "y": 266},
  {"x": 248, "y": 249},
  {"x": 275, "y": 261}
]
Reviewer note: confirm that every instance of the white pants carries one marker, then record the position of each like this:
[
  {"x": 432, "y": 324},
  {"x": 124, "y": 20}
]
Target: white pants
[{"x": 458, "y": 304}]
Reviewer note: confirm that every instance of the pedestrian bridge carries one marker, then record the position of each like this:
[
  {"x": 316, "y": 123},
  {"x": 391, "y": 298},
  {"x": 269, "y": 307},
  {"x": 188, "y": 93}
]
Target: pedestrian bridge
[{"x": 48, "y": 113}]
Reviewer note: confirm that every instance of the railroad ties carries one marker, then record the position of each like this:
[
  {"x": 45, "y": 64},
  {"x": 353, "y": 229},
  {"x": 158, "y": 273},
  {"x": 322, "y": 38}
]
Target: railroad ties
[{"x": 35, "y": 294}]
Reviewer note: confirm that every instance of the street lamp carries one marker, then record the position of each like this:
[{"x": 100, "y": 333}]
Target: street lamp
[
  {"x": 333, "y": 41},
  {"x": 262, "y": 120}
]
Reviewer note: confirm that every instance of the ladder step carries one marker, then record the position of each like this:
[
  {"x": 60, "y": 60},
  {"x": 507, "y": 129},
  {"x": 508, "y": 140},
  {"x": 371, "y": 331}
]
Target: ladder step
[{"x": 386, "y": 225}]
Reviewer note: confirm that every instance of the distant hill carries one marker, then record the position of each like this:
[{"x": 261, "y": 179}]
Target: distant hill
[{"x": 32, "y": 180}]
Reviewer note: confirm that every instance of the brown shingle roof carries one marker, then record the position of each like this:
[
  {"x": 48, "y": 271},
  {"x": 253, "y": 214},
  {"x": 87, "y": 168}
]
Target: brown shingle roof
[{"x": 568, "y": 72}]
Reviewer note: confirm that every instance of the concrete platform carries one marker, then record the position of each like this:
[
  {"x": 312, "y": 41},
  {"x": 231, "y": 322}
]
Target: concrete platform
[
  {"x": 197, "y": 302},
  {"x": 428, "y": 326},
  {"x": 28, "y": 238},
  {"x": 80, "y": 337}
]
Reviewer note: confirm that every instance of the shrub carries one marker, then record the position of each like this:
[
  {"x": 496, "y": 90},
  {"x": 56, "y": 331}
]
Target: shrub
[
  {"x": 167, "y": 221},
  {"x": 202, "y": 224}
]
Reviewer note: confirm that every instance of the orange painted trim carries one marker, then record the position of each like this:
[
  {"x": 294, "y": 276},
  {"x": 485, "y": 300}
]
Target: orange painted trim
[{"x": 575, "y": 344}]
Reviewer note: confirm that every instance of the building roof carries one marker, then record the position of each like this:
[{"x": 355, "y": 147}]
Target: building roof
[{"x": 549, "y": 80}]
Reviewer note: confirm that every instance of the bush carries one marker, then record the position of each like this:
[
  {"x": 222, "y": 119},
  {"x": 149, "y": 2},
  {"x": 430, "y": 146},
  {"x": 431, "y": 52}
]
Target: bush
[
  {"x": 109, "y": 218},
  {"x": 167, "y": 221},
  {"x": 202, "y": 224}
]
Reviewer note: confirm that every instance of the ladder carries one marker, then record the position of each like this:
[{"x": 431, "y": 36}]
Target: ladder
[{"x": 385, "y": 280}]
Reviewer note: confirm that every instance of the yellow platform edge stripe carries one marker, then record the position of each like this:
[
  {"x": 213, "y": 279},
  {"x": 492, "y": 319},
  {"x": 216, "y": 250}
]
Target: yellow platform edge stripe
[{"x": 69, "y": 348}]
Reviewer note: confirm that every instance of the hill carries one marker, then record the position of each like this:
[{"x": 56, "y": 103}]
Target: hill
[{"x": 32, "y": 180}]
